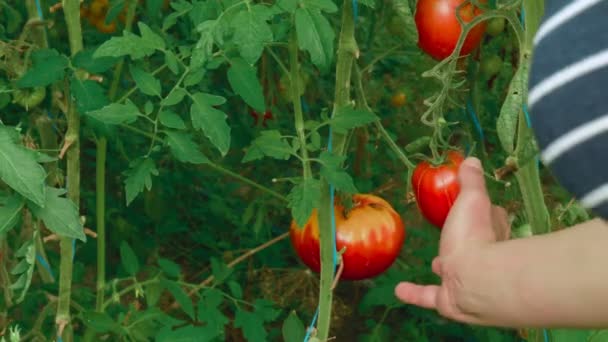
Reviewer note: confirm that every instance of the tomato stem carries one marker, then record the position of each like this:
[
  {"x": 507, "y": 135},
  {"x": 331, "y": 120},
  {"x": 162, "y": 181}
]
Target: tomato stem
[{"x": 71, "y": 10}]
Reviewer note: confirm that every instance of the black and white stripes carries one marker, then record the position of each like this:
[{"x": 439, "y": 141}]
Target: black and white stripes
[{"x": 568, "y": 97}]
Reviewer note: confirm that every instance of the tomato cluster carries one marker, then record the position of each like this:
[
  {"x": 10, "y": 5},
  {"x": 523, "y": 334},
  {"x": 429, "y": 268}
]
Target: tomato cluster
[
  {"x": 439, "y": 29},
  {"x": 372, "y": 234}
]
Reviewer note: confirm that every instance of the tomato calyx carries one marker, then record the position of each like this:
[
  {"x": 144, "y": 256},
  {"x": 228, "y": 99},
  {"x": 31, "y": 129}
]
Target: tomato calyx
[{"x": 257, "y": 116}]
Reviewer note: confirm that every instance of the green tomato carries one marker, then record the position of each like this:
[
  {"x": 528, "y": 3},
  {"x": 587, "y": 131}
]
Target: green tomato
[
  {"x": 29, "y": 98},
  {"x": 490, "y": 65},
  {"x": 496, "y": 26}
]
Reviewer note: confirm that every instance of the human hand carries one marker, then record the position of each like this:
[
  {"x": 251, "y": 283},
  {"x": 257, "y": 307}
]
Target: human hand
[{"x": 473, "y": 222}]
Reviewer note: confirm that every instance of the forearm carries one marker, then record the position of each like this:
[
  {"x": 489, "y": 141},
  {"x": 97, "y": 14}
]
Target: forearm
[{"x": 554, "y": 280}]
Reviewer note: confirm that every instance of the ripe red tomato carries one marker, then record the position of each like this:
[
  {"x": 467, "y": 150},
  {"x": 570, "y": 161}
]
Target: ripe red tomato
[
  {"x": 439, "y": 30},
  {"x": 372, "y": 232},
  {"x": 436, "y": 187}
]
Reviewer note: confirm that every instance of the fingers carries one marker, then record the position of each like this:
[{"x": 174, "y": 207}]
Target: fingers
[
  {"x": 420, "y": 295},
  {"x": 471, "y": 178},
  {"x": 436, "y": 266}
]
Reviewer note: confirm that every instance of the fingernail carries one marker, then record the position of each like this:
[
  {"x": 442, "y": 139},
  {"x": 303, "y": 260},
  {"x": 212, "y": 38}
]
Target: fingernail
[{"x": 474, "y": 162}]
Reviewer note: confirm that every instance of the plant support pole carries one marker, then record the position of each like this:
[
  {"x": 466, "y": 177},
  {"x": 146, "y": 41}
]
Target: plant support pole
[{"x": 71, "y": 10}]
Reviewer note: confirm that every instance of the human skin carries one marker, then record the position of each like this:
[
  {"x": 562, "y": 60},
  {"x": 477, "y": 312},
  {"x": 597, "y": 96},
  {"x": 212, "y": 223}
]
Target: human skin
[{"x": 552, "y": 280}]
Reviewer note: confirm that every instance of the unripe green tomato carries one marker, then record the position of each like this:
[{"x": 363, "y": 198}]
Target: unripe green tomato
[
  {"x": 29, "y": 98},
  {"x": 490, "y": 65},
  {"x": 496, "y": 26}
]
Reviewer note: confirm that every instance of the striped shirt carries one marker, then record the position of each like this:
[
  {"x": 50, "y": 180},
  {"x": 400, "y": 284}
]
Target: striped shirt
[{"x": 568, "y": 97}]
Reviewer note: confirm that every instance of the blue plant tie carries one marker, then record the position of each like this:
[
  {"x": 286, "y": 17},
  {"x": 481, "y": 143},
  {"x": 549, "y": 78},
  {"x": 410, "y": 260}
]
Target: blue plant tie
[
  {"x": 355, "y": 10},
  {"x": 45, "y": 264},
  {"x": 475, "y": 120}
]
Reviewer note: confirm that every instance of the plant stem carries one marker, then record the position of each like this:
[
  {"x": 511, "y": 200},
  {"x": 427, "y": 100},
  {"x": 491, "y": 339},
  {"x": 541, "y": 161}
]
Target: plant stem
[
  {"x": 71, "y": 9},
  {"x": 297, "y": 102},
  {"x": 247, "y": 181},
  {"x": 347, "y": 50}
]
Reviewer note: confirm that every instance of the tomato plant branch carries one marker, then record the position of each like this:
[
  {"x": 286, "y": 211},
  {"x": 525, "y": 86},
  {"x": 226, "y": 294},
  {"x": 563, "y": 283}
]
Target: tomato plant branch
[
  {"x": 278, "y": 60},
  {"x": 237, "y": 261},
  {"x": 247, "y": 181},
  {"x": 71, "y": 9},
  {"x": 297, "y": 102},
  {"x": 363, "y": 102},
  {"x": 346, "y": 53}
]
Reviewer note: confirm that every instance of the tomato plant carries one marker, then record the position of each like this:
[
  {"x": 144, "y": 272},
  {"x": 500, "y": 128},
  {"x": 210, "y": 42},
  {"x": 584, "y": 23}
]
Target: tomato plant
[
  {"x": 439, "y": 29},
  {"x": 372, "y": 233},
  {"x": 436, "y": 187},
  {"x": 496, "y": 26}
]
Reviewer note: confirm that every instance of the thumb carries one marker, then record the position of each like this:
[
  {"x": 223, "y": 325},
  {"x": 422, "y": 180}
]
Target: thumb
[{"x": 470, "y": 218}]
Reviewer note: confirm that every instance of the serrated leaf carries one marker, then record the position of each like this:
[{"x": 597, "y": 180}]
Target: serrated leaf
[
  {"x": 100, "y": 322},
  {"x": 208, "y": 310},
  {"x": 204, "y": 47},
  {"x": 181, "y": 297},
  {"x": 10, "y": 213},
  {"x": 188, "y": 333},
  {"x": 332, "y": 170},
  {"x": 169, "y": 267},
  {"x": 145, "y": 81},
  {"x": 349, "y": 118},
  {"x": 116, "y": 113},
  {"x": 48, "y": 67},
  {"x": 315, "y": 35},
  {"x": 139, "y": 177},
  {"x": 210, "y": 120},
  {"x": 89, "y": 95},
  {"x": 251, "y": 32},
  {"x": 181, "y": 8},
  {"x": 271, "y": 144},
  {"x": 20, "y": 171},
  {"x": 244, "y": 81},
  {"x": 129, "y": 259},
  {"x": 172, "y": 62},
  {"x": 287, "y": 5},
  {"x": 251, "y": 324},
  {"x": 184, "y": 149},
  {"x": 171, "y": 120},
  {"x": 235, "y": 289},
  {"x": 150, "y": 38},
  {"x": 293, "y": 328},
  {"x": 84, "y": 59},
  {"x": 174, "y": 97},
  {"x": 303, "y": 198},
  {"x": 220, "y": 271},
  {"x": 506, "y": 124},
  {"x": 129, "y": 44},
  {"x": 265, "y": 310},
  {"x": 60, "y": 215}
]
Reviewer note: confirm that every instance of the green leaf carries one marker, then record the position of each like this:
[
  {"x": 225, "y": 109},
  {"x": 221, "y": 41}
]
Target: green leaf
[
  {"x": 235, "y": 289},
  {"x": 150, "y": 38},
  {"x": 315, "y": 35},
  {"x": 188, "y": 333},
  {"x": 48, "y": 67},
  {"x": 174, "y": 97},
  {"x": 349, "y": 118},
  {"x": 184, "y": 149},
  {"x": 244, "y": 81},
  {"x": 303, "y": 198},
  {"x": 209, "y": 312},
  {"x": 332, "y": 170},
  {"x": 129, "y": 259},
  {"x": 324, "y": 5},
  {"x": 84, "y": 59},
  {"x": 129, "y": 44},
  {"x": 100, "y": 322},
  {"x": 288, "y": 6},
  {"x": 181, "y": 8},
  {"x": 270, "y": 144},
  {"x": 204, "y": 47},
  {"x": 251, "y": 324},
  {"x": 506, "y": 124},
  {"x": 89, "y": 95},
  {"x": 171, "y": 120},
  {"x": 169, "y": 267},
  {"x": 145, "y": 81},
  {"x": 212, "y": 121},
  {"x": 60, "y": 215},
  {"x": 220, "y": 271},
  {"x": 139, "y": 176},
  {"x": 265, "y": 310},
  {"x": 116, "y": 113},
  {"x": 172, "y": 62},
  {"x": 251, "y": 32},
  {"x": 181, "y": 297},
  {"x": 293, "y": 328},
  {"x": 20, "y": 171},
  {"x": 10, "y": 213}
]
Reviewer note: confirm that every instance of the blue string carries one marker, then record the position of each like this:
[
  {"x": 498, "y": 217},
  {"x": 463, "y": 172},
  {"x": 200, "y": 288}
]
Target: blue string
[
  {"x": 355, "y": 9},
  {"x": 475, "y": 120},
  {"x": 39, "y": 8},
  {"x": 45, "y": 264}
]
